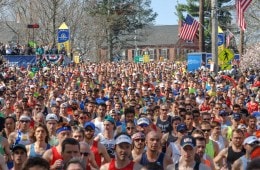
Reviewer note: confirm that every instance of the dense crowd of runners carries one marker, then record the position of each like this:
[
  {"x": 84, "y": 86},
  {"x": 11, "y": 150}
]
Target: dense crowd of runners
[{"x": 128, "y": 116}]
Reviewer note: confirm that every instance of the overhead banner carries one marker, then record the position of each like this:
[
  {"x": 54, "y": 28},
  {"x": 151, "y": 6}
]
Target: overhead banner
[
  {"x": 64, "y": 37},
  {"x": 20, "y": 60}
]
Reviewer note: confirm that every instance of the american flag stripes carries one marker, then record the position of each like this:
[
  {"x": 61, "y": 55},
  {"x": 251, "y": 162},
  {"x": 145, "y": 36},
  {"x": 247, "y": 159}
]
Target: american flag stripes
[
  {"x": 189, "y": 28},
  {"x": 241, "y": 6},
  {"x": 229, "y": 36}
]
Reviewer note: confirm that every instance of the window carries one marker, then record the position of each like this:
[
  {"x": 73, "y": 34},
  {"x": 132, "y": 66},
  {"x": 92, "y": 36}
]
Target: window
[
  {"x": 138, "y": 52},
  {"x": 152, "y": 53},
  {"x": 164, "y": 53}
]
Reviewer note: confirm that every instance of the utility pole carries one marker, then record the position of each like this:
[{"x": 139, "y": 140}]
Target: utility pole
[
  {"x": 109, "y": 35},
  {"x": 241, "y": 47},
  {"x": 214, "y": 34},
  {"x": 201, "y": 29}
]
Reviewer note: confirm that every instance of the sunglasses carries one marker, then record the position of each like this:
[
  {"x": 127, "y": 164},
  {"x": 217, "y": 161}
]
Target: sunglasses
[
  {"x": 89, "y": 130},
  {"x": 84, "y": 153},
  {"x": 82, "y": 118},
  {"x": 206, "y": 130},
  {"x": 206, "y": 119},
  {"x": 24, "y": 121},
  {"x": 138, "y": 140},
  {"x": 129, "y": 128}
]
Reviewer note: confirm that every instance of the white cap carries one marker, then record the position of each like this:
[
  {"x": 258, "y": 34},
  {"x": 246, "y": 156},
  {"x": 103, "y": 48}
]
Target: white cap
[
  {"x": 123, "y": 139},
  {"x": 241, "y": 126},
  {"x": 25, "y": 118},
  {"x": 161, "y": 85},
  {"x": 115, "y": 111},
  {"x": 250, "y": 140},
  {"x": 143, "y": 120},
  {"x": 58, "y": 99},
  {"x": 51, "y": 116}
]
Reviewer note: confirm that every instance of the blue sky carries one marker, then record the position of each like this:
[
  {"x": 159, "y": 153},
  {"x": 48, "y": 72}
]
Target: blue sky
[{"x": 165, "y": 10}]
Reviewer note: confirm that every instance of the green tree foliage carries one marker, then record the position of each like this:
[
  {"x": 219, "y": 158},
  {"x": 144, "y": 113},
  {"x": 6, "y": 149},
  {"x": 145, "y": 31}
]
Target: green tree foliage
[{"x": 123, "y": 18}]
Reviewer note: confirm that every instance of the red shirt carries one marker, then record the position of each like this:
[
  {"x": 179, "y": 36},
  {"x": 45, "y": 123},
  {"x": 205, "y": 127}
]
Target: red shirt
[
  {"x": 112, "y": 166},
  {"x": 55, "y": 155},
  {"x": 94, "y": 149}
]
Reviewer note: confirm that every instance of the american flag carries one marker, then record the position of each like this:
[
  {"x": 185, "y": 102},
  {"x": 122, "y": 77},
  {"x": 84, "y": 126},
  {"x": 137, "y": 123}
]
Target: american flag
[
  {"x": 241, "y": 6},
  {"x": 189, "y": 28},
  {"x": 229, "y": 36}
]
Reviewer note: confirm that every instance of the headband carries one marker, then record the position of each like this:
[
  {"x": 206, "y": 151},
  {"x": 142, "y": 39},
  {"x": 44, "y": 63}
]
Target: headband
[{"x": 63, "y": 128}]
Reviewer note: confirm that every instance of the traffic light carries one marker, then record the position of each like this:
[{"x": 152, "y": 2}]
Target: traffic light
[{"x": 33, "y": 26}]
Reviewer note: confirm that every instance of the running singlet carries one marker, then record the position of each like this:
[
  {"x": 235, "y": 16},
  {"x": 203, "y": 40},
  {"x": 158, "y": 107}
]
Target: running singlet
[
  {"x": 109, "y": 145},
  {"x": 112, "y": 166},
  {"x": 144, "y": 161},
  {"x": 210, "y": 149},
  {"x": 233, "y": 156},
  {"x": 165, "y": 126},
  {"x": 22, "y": 138},
  {"x": 33, "y": 154},
  {"x": 55, "y": 155},
  {"x": 176, "y": 154},
  {"x": 94, "y": 149}
]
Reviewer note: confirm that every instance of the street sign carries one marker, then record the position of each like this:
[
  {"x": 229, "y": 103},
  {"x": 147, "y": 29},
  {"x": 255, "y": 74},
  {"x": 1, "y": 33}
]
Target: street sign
[
  {"x": 146, "y": 58},
  {"x": 138, "y": 59},
  {"x": 226, "y": 56}
]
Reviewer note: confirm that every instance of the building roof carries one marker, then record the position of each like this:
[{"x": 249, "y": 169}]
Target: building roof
[{"x": 160, "y": 35}]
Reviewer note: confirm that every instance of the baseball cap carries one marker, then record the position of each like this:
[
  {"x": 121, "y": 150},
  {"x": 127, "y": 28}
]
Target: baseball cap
[
  {"x": 253, "y": 95},
  {"x": 223, "y": 113},
  {"x": 58, "y": 99},
  {"x": 241, "y": 126},
  {"x": 181, "y": 127},
  {"x": 51, "y": 116},
  {"x": 123, "y": 139},
  {"x": 19, "y": 146},
  {"x": 188, "y": 140},
  {"x": 256, "y": 114},
  {"x": 174, "y": 118},
  {"x": 110, "y": 119},
  {"x": 251, "y": 139},
  {"x": 89, "y": 124},
  {"x": 114, "y": 111},
  {"x": 25, "y": 118},
  {"x": 138, "y": 135},
  {"x": 143, "y": 120},
  {"x": 236, "y": 116}
]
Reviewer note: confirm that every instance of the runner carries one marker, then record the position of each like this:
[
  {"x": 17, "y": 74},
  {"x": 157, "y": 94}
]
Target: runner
[{"x": 123, "y": 152}]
